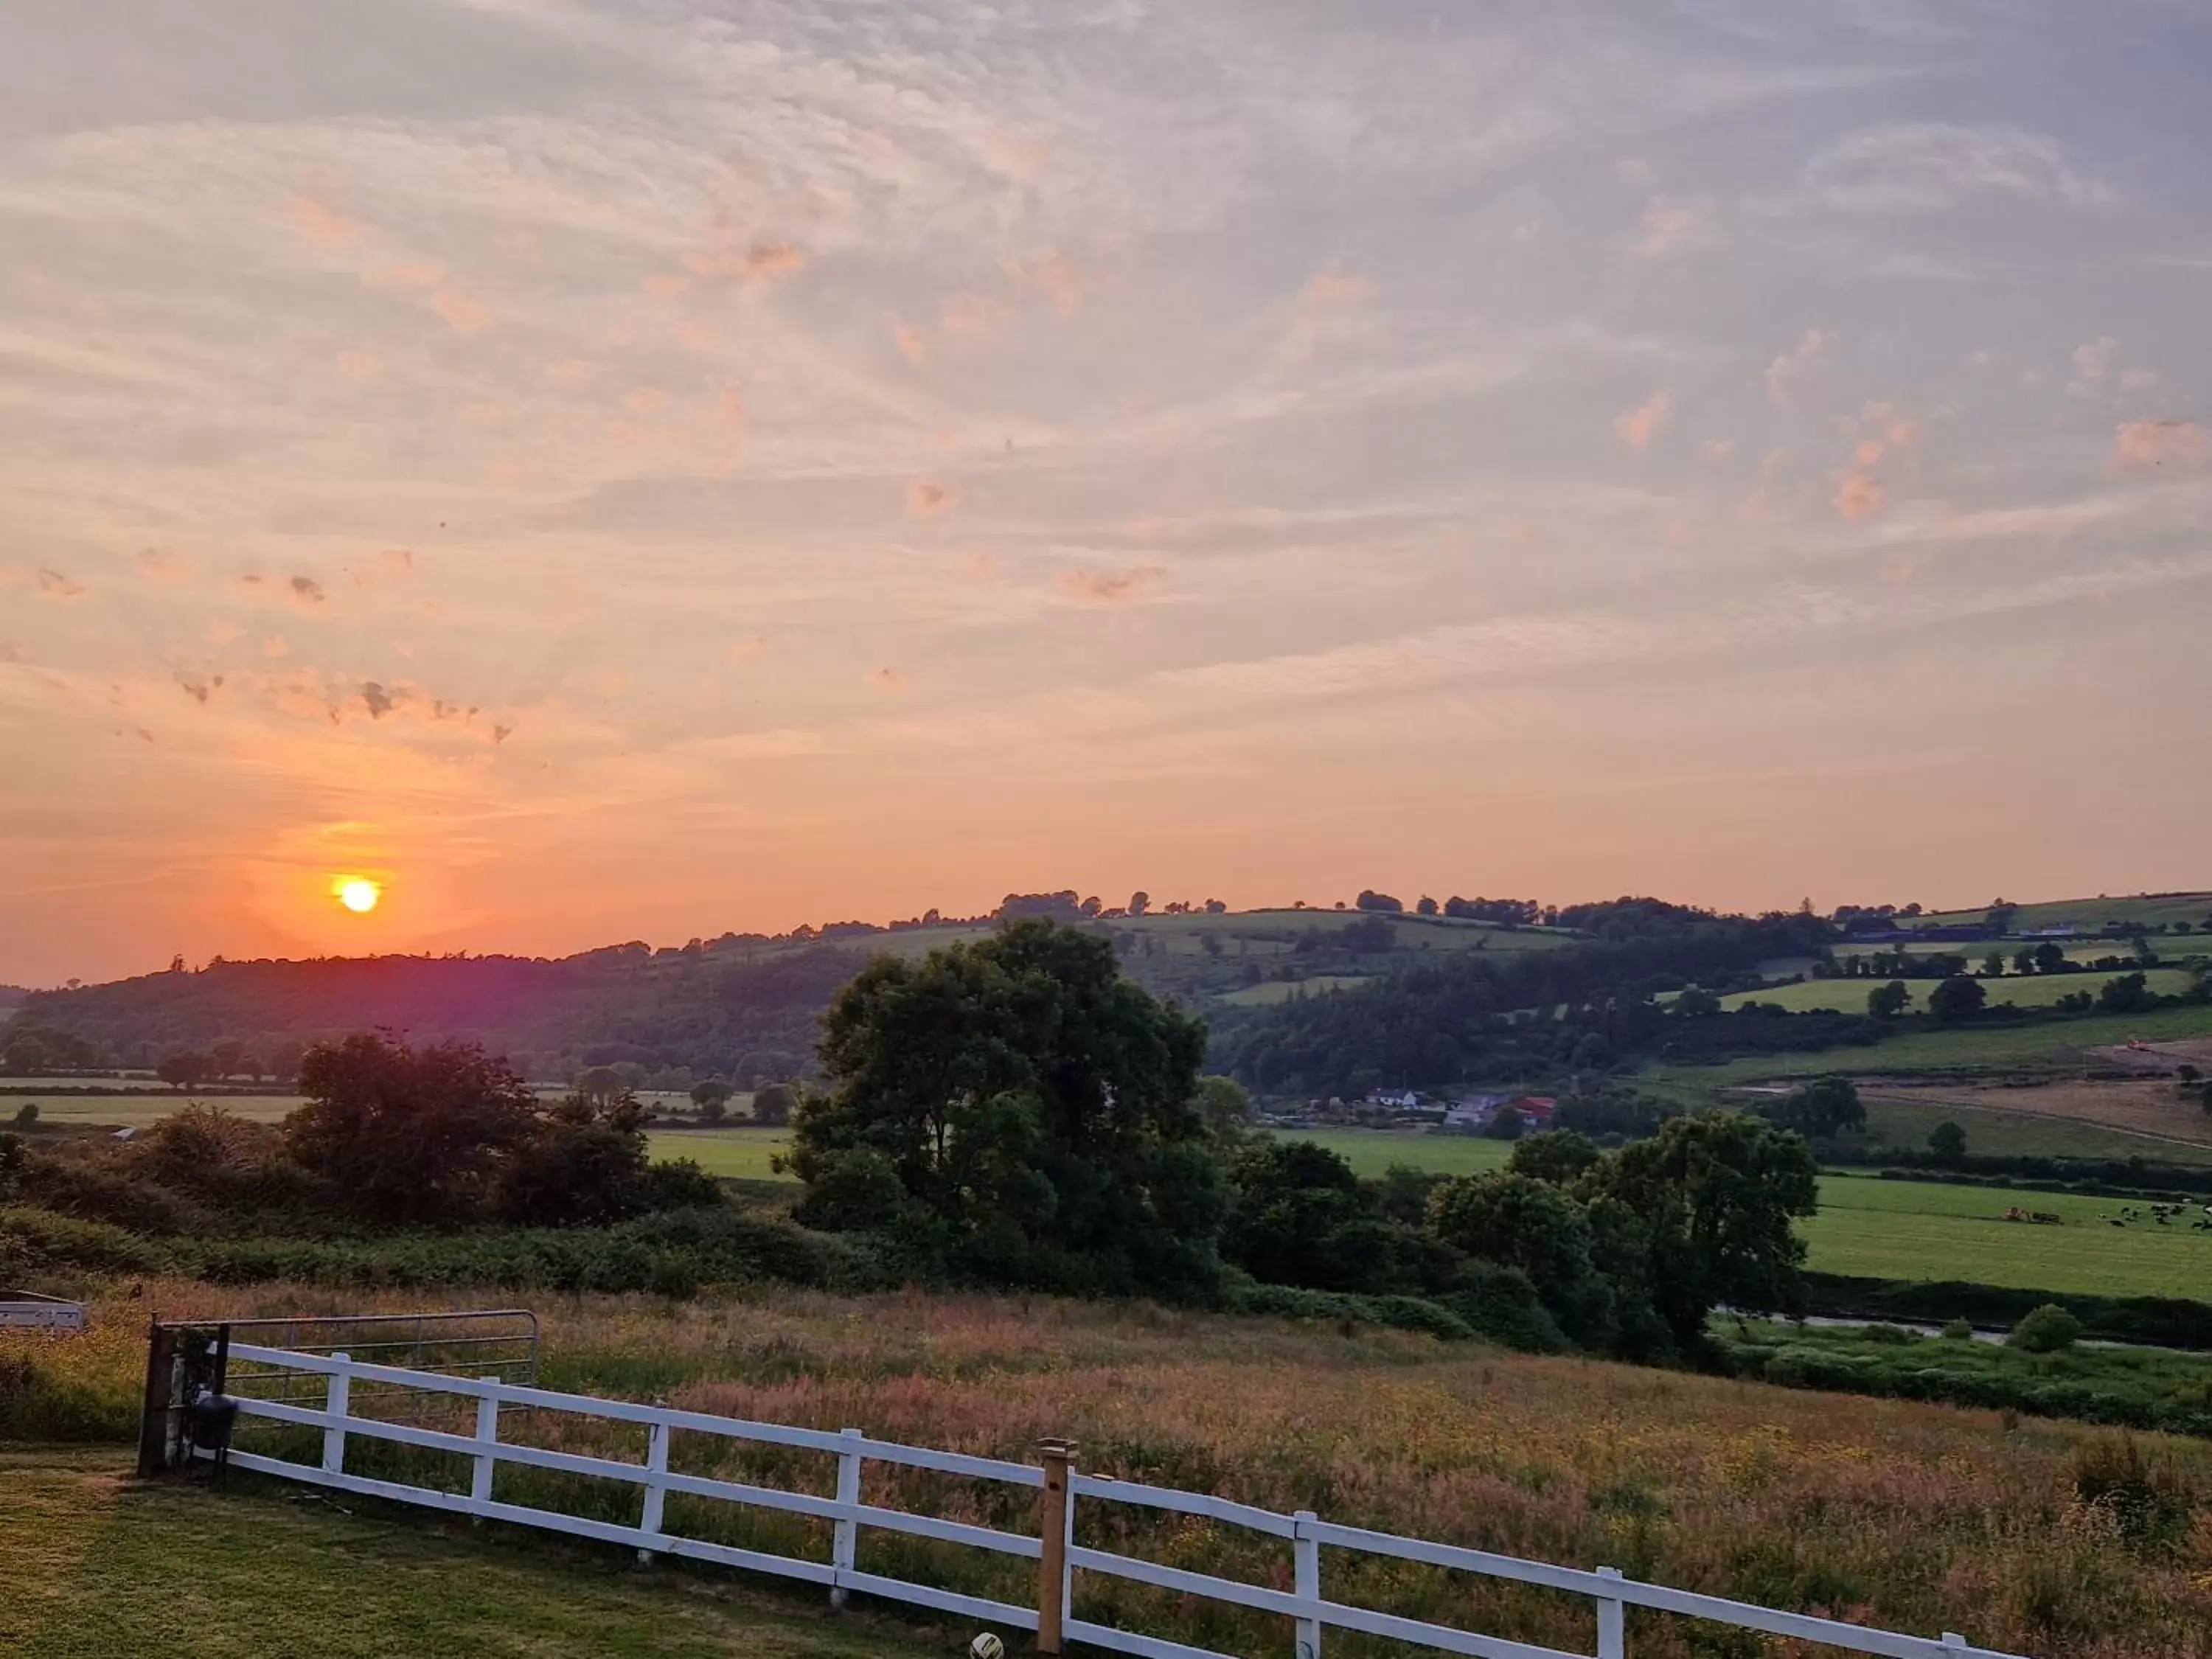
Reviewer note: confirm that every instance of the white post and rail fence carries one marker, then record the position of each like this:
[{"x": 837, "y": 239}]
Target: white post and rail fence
[{"x": 1056, "y": 1549}]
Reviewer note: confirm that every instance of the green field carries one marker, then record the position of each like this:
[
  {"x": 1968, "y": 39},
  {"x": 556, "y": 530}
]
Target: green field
[
  {"x": 2016, "y": 990},
  {"x": 743, "y": 1154},
  {"x": 2086, "y": 913},
  {"x": 1915, "y": 1230},
  {"x": 1268, "y": 993},
  {"x": 2020, "y": 1134},
  {"x": 1372, "y": 1151},
  {"x": 99, "y": 1567},
  {"x": 2022, "y": 1048},
  {"x": 138, "y": 1109}
]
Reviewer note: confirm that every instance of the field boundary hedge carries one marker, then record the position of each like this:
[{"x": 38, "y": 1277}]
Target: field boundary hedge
[{"x": 2155, "y": 1320}]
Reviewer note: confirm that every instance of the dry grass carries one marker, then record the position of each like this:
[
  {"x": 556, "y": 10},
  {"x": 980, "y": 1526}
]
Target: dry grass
[{"x": 1915, "y": 1517}]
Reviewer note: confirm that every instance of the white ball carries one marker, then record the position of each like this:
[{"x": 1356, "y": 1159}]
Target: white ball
[{"x": 987, "y": 1646}]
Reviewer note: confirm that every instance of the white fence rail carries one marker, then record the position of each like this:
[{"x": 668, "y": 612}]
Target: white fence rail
[{"x": 1055, "y": 1549}]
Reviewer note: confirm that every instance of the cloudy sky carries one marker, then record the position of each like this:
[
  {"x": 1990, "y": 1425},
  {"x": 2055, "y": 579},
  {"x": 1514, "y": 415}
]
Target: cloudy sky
[{"x": 647, "y": 468}]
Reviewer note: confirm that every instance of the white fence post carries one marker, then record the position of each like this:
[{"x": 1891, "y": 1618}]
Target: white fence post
[
  {"x": 1612, "y": 1621},
  {"x": 480, "y": 1473},
  {"x": 335, "y": 1404},
  {"x": 845, "y": 1538},
  {"x": 1305, "y": 1571},
  {"x": 656, "y": 1495}
]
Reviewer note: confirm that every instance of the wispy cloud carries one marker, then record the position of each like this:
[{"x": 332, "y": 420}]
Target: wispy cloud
[
  {"x": 1114, "y": 586},
  {"x": 1638, "y": 427}
]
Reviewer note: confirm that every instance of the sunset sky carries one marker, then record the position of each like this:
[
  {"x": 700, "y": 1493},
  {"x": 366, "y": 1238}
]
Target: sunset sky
[{"x": 637, "y": 471}]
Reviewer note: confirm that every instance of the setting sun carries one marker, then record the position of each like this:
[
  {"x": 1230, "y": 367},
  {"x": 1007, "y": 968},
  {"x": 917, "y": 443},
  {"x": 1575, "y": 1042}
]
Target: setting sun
[{"x": 357, "y": 893}]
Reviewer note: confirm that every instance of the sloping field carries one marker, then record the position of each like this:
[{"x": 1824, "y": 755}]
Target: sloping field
[
  {"x": 2016, "y": 990},
  {"x": 2153, "y": 1110},
  {"x": 1911, "y": 1517},
  {"x": 97, "y": 1566}
]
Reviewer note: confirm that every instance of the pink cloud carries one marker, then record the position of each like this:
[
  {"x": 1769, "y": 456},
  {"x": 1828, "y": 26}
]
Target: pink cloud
[
  {"x": 1859, "y": 497},
  {"x": 359, "y": 365},
  {"x": 1334, "y": 288},
  {"x": 322, "y": 224},
  {"x": 1638, "y": 427},
  {"x": 913, "y": 344},
  {"x": 2140, "y": 446},
  {"x": 1785, "y": 371},
  {"x": 1674, "y": 227},
  {"x": 969, "y": 316},
  {"x": 925, "y": 499},
  {"x": 746, "y": 650},
  {"x": 889, "y": 680},
  {"x": 56, "y": 586},
  {"x": 416, "y": 273},
  {"x": 1112, "y": 588},
  {"x": 1717, "y": 449}
]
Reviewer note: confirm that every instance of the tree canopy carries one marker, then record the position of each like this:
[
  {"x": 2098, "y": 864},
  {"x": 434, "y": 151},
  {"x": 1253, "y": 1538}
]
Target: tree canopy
[{"x": 1021, "y": 1110}]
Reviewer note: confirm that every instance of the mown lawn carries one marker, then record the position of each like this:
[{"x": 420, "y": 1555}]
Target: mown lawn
[
  {"x": 93, "y": 1566},
  {"x": 1916, "y": 1230}
]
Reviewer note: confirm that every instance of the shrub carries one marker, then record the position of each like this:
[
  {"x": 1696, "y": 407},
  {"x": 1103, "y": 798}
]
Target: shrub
[
  {"x": 35, "y": 1242},
  {"x": 1958, "y": 1330},
  {"x": 2148, "y": 1503},
  {"x": 2048, "y": 1329}
]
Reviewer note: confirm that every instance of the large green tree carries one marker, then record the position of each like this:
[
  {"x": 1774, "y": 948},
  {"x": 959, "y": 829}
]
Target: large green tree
[
  {"x": 1715, "y": 1195},
  {"x": 410, "y": 1135},
  {"x": 1019, "y": 1106}
]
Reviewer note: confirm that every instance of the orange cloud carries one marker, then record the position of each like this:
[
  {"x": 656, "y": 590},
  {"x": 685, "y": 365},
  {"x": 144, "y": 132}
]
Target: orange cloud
[
  {"x": 1061, "y": 280},
  {"x": 393, "y": 564},
  {"x": 1105, "y": 587},
  {"x": 733, "y": 405},
  {"x": 913, "y": 344},
  {"x": 1638, "y": 427},
  {"x": 60, "y": 586},
  {"x": 416, "y": 273},
  {"x": 321, "y": 224},
  {"x": 1859, "y": 497},
  {"x": 461, "y": 314},
  {"x": 746, "y": 650},
  {"x": 307, "y": 592},
  {"x": 889, "y": 680},
  {"x": 1332, "y": 289},
  {"x": 197, "y": 689},
  {"x": 171, "y": 569},
  {"x": 359, "y": 365},
  {"x": 567, "y": 372},
  {"x": 2140, "y": 446},
  {"x": 925, "y": 499}
]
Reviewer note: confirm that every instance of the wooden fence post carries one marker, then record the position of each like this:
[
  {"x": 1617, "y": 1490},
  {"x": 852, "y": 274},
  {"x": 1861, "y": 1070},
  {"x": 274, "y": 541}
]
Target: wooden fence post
[
  {"x": 845, "y": 1538},
  {"x": 481, "y": 1471},
  {"x": 335, "y": 1404},
  {"x": 153, "y": 1414},
  {"x": 1055, "y": 1526},
  {"x": 656, "y": 1495},
  {"x": 1305, "y": 1577},
  {"x": 1612, "y": 1621}
]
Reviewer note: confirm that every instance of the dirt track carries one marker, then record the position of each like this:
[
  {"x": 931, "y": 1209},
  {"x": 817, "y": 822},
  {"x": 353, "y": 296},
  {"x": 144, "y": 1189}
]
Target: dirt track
[{"x": 2152, "y": 1107}]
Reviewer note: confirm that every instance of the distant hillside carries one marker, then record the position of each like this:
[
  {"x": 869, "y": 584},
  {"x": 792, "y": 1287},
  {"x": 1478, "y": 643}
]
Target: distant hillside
[
  {"x": 11, "y": 997},
  {"x": 742, "y": 1007}
]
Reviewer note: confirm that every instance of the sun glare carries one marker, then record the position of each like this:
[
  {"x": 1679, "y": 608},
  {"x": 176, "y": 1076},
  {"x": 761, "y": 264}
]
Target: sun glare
[{"x": 357, "y": 893}]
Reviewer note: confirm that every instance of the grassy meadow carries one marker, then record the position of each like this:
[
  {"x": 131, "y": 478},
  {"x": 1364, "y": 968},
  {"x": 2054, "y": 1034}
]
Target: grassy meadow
[
  {"x": 1908, "y": 1516},
  {"x": 2013, "y": 990},
  {"x": 2022, "y": 1134},
  {"x": 2149, "y": 910},
  {"x": 741, "y": 1154},
  {"x": 1922, "y": 1231}
]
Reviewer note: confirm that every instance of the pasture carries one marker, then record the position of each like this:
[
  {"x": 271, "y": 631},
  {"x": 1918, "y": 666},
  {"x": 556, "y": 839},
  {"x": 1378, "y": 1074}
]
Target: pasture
[
  {"x": 1268, "y": 993},
  {"x": 1977, "y": 1044},
  {"x": 1372, "y": 1151},
  {"x": 1908, "y": 1516},
  {"x": 1848, "y": 996},
  {"x": 2149, "y": 910},
  {"x": 739, "y": 1154},
  {"x": 1907, "y": 1120},
  {"x": 1919, "y": 1230}
]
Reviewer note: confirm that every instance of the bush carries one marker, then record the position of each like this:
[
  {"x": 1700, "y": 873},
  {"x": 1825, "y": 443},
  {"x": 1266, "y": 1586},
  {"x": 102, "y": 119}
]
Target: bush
[
  {"x": 35, "y": 1242},
  {"x": 1958, "y": 1330},
  {"x": 1404, "y": 1313},
  {"x": 2048, "y": 1329}
]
